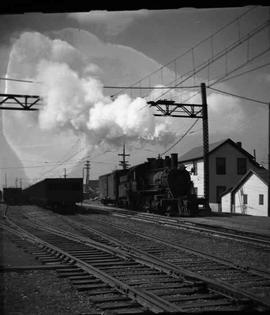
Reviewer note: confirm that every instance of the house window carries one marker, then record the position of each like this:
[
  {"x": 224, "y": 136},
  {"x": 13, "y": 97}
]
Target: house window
[
  {"x": 220, "y": 166},
  {"x": 245, "y": 199},
  {"x": 261, "y": 201},
  {"x": 194, "y": 169},
  {"x": 241, "y": 166},
  {"x": 219, "y": 191}
]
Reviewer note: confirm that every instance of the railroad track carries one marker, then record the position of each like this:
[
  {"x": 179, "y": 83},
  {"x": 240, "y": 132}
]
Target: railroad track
[
  {"x": 256, "y": 240},
  {"x": 247, "y": 280},
  {"x": 131, "y": 281}
]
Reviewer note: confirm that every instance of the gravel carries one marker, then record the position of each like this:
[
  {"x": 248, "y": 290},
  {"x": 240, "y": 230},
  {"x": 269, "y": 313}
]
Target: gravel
[{"x": 40, "y": 292}]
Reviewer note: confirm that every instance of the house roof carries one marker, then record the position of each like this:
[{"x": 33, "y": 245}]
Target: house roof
[
  {"x": 261, "y": 173},
  {"x": 197, "y": 152}
]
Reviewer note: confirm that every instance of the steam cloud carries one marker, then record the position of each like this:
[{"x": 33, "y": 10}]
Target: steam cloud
[{"x": 73, "y": 97}]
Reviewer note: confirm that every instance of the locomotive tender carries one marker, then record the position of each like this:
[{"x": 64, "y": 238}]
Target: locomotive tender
[
  {"x": 56, "y": 193},
  {"x": 158, "y": 186}
]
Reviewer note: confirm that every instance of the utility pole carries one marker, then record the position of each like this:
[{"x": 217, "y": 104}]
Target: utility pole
[
  {"x": 269, "y": 160},
  {"x": 20, "y": 183},
  {"x": 87, "y": 168},
  {"x": 124, "y": 163},
  {"x": 65, "y": 173},
  {"x": 205, "y": 145},
  {"x": 16, "y": 182},
  {"x": 6, "y": 180},
  {"x": 171, "y": 108}
]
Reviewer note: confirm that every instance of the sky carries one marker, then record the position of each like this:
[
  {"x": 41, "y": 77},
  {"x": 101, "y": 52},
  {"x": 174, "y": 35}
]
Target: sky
[{"x": 72, "y": 58}]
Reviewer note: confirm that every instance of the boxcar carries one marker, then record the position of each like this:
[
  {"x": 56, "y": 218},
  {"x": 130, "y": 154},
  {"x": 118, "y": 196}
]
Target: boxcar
[
  {"x": 55, "y": 192},
  {"x": 12, "y": 195},
  {"x": 109, "y": 187}
]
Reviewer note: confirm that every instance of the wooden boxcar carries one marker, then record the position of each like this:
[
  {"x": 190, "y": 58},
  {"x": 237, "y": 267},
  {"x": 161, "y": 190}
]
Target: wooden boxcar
[{"x": 109, "y": 187}]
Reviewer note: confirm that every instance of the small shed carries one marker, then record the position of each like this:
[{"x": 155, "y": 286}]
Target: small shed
[{"x": 249, "y": 196}]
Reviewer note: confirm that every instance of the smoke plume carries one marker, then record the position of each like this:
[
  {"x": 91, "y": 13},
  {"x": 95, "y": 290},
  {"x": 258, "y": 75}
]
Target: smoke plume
[{"x": 73, "y": 97}]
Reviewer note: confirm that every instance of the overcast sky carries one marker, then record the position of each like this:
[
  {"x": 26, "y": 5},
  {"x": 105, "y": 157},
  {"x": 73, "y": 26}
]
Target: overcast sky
[{"x": 71, "y": 57}]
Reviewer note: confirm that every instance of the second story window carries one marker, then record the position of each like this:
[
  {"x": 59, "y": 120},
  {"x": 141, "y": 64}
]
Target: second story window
[
  {"x": 241, "y": 166},
  {"x": 195, "y": 168},
  {"x": 220, "y": 166}
]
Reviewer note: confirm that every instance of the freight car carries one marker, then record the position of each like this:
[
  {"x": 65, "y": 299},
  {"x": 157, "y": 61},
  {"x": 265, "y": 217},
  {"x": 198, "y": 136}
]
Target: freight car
[
  {"x": 158, "y": 186},
  {"x": 109, "y": 187},
  {"x": 59, "y": 194},
  {"x": 12, "y": 196}
]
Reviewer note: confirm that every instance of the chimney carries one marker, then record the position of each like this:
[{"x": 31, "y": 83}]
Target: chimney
[
  {"x": 174, "y": 160},
  {"x": 239, "y": 144},
  {"x": 254, "y": 154}
]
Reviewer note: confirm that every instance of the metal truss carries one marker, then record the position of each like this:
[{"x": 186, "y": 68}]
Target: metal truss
[
  {"x": 170, "y": 108},
  {"x": 19, "y": 102}
]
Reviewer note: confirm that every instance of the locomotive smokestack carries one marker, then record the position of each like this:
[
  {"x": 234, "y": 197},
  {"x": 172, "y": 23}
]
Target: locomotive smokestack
[
  {"x": 174, "y": 160},
  {"x": 167, "y": 161}
]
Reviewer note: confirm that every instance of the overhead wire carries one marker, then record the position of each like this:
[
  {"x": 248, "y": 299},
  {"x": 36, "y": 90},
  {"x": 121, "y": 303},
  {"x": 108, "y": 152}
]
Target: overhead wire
[
  {"x": 239, "y": 96},
  {"x": 19, "y": 80},
  {"x": 181, "y": 138},
  {"x": 241, "y": 66},
  {"x": 243, "y": 73},
  {"x": 196, "y": 45},
  {"x": 223, "y": 52}
]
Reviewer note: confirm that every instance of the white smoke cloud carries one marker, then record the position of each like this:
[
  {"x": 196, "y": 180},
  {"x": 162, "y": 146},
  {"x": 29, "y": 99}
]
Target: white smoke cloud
[{"x": 74, "y": 100}]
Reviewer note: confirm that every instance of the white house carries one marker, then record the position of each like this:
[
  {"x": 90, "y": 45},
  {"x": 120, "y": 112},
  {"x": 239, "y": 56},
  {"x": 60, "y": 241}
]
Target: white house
[
  {"x": 249, "y": 195},
  {"x": 228, "y": 162}
]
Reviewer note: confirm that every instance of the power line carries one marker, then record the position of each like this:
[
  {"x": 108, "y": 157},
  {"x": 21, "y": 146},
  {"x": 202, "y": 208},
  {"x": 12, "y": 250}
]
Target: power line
[
  {"x": 196, "y": 45},
  {"x": 150, "y": 87},
  {"x": 223, "y": 52},
  {"x": 241, "y": 66},
  {"x": 239, "y": 96},
  {"x": 182, "y": 137},
  {"x": 52, "y": 164},
  {"x": 243, "y": 73},
  {"x": 19, "y": 80}
]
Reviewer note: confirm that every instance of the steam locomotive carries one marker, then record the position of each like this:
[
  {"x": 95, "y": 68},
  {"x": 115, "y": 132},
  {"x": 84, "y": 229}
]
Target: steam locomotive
[{"x": 158, "y": 186}]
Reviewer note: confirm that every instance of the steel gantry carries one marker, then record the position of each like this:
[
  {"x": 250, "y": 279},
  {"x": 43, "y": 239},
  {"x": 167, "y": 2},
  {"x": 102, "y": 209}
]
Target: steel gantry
[
  {"x": 19, "y": 102},
  {"x": 173, "y": 109}
]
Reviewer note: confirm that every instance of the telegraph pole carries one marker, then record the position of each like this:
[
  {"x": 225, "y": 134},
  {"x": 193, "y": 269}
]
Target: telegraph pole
[
  {"x": 87, "y": 168},
  {"x": 65, "y": 173},
  {"x": 269, "y": 160},
  {"x": 205, "y": 145},
  {"x": 124, "y": 163}
]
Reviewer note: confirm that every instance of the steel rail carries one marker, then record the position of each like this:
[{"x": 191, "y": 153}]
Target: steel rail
[
  {"x": 176, "y": 223},
  {"x": 179, "y": 247},
  {"x": 146, "y": 299},
  {"x": 215, "y": 231},
  {"x": 162, "y": 265}
]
